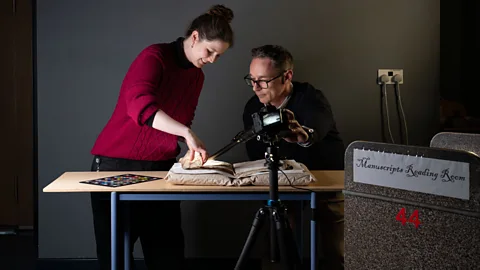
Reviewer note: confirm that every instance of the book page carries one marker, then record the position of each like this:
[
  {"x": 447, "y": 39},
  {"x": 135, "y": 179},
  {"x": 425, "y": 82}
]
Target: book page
[
  {"x": 237, "y": 170},
  {"x": 249, "y": 168},
  {"x": 221, "y": 169},
  {"x": 196, "y": 164},
  {"x": 218, "y": 165}
]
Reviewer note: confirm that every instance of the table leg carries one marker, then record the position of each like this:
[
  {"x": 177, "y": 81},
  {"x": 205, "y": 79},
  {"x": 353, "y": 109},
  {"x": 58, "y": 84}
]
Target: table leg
[
  {"x": 313, "y": 235},
  {"x": 299, "y": 229},
  {"x": 126, "y": 235},
  {"x": 113, "y": 229}
]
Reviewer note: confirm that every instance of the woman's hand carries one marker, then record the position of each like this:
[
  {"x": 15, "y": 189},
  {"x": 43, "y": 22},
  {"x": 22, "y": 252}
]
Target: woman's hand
[{"x": 195, "y": 145}]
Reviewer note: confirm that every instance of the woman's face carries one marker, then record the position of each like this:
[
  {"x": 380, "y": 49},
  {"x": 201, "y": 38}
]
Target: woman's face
[{"x": 204, "y": 51}]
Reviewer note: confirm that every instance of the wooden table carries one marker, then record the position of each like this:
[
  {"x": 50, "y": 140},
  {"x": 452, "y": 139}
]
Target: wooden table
[{"x": 327, "y": 182}]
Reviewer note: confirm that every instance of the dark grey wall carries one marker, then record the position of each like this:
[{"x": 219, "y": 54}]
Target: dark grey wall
[
  {"x": 84, "y": 49},
  {"x": 460, "y": 51}
]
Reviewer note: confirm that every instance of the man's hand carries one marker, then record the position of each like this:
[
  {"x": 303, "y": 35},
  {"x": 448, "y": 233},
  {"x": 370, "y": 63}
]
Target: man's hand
[{"x": 297, "y": 133}]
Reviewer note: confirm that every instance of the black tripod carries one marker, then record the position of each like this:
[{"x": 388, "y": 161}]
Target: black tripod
[{"x": 281, "y": 235}]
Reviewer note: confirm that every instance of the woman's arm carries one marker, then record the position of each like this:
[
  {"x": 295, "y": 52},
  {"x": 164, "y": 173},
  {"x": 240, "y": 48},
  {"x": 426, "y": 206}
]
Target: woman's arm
[
  {"x": 140, "y": 83},
  {"x": 165, "y": 123},
  {"x": 142, "y": 79}
]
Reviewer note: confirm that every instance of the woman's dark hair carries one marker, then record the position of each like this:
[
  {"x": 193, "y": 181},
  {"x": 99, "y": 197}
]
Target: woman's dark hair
[{"x": 214, "y": 24}]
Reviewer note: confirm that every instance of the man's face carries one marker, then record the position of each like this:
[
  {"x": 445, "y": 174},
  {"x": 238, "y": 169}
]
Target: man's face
[{"x": 264, "y": 74}]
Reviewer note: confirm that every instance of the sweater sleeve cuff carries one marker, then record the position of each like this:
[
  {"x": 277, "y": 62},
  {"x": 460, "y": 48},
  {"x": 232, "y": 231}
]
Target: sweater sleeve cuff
[
  {"x": 311, "y": 133},
  {"x": 141, "y": 108},
  {"x": 147, "y": 116},
  {"x": 149, "y": 121}
]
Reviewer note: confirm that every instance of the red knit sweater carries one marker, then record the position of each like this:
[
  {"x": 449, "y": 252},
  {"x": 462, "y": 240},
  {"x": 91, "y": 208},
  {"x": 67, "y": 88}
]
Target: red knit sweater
[{"x": 159, "y": 78}]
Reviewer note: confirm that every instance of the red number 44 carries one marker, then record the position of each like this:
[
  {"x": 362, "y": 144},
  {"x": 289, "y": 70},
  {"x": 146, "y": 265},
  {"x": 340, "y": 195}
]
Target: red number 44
[{"x": 402, "y": 217}]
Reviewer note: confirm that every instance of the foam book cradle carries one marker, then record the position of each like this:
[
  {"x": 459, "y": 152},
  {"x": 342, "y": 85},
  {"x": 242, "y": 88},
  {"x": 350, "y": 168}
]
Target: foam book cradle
[{"x": 255, "y": 172}]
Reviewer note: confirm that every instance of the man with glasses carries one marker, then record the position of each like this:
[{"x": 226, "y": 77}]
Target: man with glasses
[{"x": 314, "y": 139}]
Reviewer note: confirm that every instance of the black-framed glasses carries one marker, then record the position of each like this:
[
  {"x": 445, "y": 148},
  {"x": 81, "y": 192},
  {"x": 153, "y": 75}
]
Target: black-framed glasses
[{"x": 261, "y": 83}]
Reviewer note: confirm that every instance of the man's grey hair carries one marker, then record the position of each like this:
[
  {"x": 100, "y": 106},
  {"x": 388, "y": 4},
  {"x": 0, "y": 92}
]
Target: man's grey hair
[{"x": 282, "y": 59}]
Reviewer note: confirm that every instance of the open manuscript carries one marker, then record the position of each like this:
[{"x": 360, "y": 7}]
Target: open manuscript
[{"x": 221, "y": 173}]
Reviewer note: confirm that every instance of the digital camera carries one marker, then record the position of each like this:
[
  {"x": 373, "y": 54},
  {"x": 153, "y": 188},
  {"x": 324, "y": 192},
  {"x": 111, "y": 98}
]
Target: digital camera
[{"x": 271, "y": 122}]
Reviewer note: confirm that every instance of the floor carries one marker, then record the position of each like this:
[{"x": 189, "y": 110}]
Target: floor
[{"x": 18, "y": 252}]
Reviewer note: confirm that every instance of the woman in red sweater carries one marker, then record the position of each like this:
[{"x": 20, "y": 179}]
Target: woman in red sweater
[{"x": 154, "y": 111}]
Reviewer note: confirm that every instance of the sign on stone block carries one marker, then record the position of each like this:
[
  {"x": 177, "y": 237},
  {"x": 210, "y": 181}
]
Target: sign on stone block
[{"x": 412, "y": 173}]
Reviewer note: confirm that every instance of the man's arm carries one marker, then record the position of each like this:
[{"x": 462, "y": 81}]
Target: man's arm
[{"x": 317, "y": 117}]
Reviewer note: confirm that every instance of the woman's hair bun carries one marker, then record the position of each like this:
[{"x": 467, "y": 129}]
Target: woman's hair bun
[{"x": 221, "y": 11}]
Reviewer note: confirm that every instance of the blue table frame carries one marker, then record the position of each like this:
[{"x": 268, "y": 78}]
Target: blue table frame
[{"x": 117, "y": 197}]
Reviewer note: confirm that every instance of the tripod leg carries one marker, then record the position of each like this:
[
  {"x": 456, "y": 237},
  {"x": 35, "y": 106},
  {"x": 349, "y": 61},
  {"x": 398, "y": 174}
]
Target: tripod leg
[
  {"x": 292, "y": 247},
  {"x": 252, "y": 236},
  {"x": 273, "y": 239},
  {"x": 286, "y": 243},
  {"x": 282, "y": 244}
]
